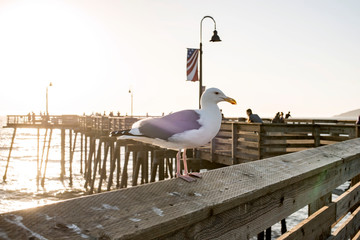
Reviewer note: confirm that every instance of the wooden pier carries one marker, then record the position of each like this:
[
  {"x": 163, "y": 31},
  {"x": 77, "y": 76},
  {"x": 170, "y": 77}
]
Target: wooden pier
[
  {"x": 104, "y": 160},
  {"x": 234, "y": 202}
]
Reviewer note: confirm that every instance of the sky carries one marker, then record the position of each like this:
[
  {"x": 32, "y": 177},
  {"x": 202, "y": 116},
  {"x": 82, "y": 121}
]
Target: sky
[{"x": 279, "y": 55}]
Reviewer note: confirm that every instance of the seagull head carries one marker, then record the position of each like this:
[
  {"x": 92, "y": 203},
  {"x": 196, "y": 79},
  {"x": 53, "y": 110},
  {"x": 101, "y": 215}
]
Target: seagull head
[{"x": 213, "y": 96}]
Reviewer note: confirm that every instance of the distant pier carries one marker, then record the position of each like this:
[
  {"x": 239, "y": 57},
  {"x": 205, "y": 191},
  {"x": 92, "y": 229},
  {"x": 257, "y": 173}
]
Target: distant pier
[{"x": 237, "y": 142}]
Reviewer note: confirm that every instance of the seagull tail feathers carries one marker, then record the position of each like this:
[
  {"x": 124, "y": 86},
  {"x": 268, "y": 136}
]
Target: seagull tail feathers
[{"x": 121, "y": 133}]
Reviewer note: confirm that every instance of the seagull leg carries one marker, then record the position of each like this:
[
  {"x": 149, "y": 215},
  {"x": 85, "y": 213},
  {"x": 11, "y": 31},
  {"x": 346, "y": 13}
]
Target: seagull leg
[
  {"x": 178, "y": 171},
  {"x": 186, "y": 172},
  {"x": 186, "y": 176},
  {"x": 192, "y": 174}
]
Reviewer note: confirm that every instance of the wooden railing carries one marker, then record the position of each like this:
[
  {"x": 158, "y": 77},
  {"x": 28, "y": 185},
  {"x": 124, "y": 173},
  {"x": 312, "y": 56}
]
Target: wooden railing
[
  {"x": 239, "y": 142},
  {"x": 235, "y": 202},
  {"x": 236, "y": 142},
  {"x": 43, "y": 121}
]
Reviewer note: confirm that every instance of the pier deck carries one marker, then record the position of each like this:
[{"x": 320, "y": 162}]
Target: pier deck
[{"x": 235, "y": 202}]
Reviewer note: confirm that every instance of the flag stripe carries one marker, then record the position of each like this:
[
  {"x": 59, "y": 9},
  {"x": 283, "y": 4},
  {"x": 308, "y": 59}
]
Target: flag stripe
[{"x": 192, "y": 63}]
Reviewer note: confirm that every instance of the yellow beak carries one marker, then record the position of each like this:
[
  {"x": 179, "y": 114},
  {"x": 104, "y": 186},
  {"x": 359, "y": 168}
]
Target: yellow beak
[{"x": 230, "y": 100}]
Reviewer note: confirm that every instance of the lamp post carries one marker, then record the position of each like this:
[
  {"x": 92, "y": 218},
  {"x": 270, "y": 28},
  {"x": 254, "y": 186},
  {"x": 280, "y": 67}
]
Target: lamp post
[
  {"x": 47, "y": 98},
  {"x": 214, "y": 38},
  {"x": 130, "y": 91}
]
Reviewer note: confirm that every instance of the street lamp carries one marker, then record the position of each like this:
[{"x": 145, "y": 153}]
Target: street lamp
[
  {"x": 47, "y": 98},
  {"x": 214, "y": 38},
  {"x": 131, "y": 101}
]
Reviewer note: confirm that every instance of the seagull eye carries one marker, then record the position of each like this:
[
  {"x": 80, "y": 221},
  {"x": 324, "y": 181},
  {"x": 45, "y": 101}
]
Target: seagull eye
[{"x": 217, "y": 93}]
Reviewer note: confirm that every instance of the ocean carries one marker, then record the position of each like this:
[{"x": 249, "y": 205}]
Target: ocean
[{"x": 20, "y": 190}]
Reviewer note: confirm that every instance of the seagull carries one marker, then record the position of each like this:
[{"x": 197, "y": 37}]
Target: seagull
[{"x": 181, "y": 130}]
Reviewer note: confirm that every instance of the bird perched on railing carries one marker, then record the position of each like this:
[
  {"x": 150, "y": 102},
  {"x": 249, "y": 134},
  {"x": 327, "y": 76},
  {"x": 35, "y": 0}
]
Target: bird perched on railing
[{"x": 181, "y": 130}]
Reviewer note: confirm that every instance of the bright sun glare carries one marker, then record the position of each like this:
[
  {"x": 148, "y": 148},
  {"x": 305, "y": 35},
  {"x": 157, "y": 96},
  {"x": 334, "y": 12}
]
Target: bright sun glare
[{"x": 51, "y": 42}]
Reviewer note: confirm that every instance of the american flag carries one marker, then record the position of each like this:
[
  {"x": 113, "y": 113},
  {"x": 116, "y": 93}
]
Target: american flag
[{"x": 192, "y": 63}]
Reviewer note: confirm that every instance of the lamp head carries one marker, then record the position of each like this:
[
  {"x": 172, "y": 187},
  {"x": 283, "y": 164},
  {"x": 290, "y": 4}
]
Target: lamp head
[
  {"x": 215, "y": 37},
  {"x": 50, "y": 85}
]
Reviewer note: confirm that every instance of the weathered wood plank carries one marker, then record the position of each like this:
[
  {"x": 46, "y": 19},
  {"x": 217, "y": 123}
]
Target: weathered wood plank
[
  {"x": 225, "y": 141},
  {"x": 247, "y": 151},
  {"x": 334, "y": 138},
  {"x": 349, "y": 228},
  {"x": 268, "y": 128},
  {"x": 248, "y": 144},
  {"x": 287, "y": 137},
  {"x": 248, "y": 127},
  {"x": 347, "y": 200},
  {"x": 223, "y": 134},
  {"x": 275, "y": 153},
  {"x": 248, "y": 137},
  {"x": 357, "y": 236},
  {"x": 244, "y": 158},
  {"x": 225, "y": 126},
  {"x": 287, "y": 145},
  {"x": 317, "y": 226},
  {"x": 336, "y": 129}
]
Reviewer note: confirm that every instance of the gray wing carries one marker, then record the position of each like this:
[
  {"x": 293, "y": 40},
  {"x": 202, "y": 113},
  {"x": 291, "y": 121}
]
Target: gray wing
[{"x": 170, "y": 125}]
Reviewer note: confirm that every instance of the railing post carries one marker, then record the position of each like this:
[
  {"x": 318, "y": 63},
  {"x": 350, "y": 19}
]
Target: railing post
[
  {"x": 234, "y": 136},
  {"x": 316, "y": 134},
  {"x": 260, "y": 133}
]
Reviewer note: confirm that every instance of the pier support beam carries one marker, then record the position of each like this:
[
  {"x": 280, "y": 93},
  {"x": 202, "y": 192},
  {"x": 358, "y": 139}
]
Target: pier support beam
[
  {"x": 43, "y": 150},
  {"x": 38, "y": 159},
  {"x": 96, "y": 163},
  {"x": 62, "y": 160},
  {"x": 81, "y": 153},
  {"x": 8, "y": 160},
  {"x": 117, "y": 156},
  {"x": 47, "y": 159},
  {"x": 72, "y": 150}
]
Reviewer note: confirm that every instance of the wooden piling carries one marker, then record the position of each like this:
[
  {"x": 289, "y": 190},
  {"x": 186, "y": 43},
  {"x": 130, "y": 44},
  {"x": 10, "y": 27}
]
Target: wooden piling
[
  {"x": 89, "y": 162},
  {"x": 124, "y": 176},
  {"x": 47, "y": 159},
  {"x": 169, "y": 164},
  {"x": 161, "y": 155},
  {"x": 62, "y": 160},
  {"x": 43, "y": 149},
  {"x": 8, "y": 160},
  {"x": 113, "y": 156},
  {"x": 158, "y": 162},
  {"x": 145, "y": 169},
  {"x": 107, "y": 149},
  {"x": 85, "y": 152},
  {"x": 81, "y": 152},
  {"x": 103, "y": 169},
  {"x": 38, "y": 159},
  {"x": 141, "y": 156},
  {"x": 96, "y": 163},
  {"x": 72, "y": 150},
  {"x": 118, "y": 164}
]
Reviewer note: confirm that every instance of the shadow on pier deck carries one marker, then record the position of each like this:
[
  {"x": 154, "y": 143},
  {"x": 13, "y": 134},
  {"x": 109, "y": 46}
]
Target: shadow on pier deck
[{"x": 234, "y": 202}]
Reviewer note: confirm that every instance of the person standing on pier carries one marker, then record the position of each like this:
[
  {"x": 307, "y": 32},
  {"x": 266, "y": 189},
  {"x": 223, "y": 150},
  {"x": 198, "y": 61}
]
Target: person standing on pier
[{"x": 253, "y": 118}]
